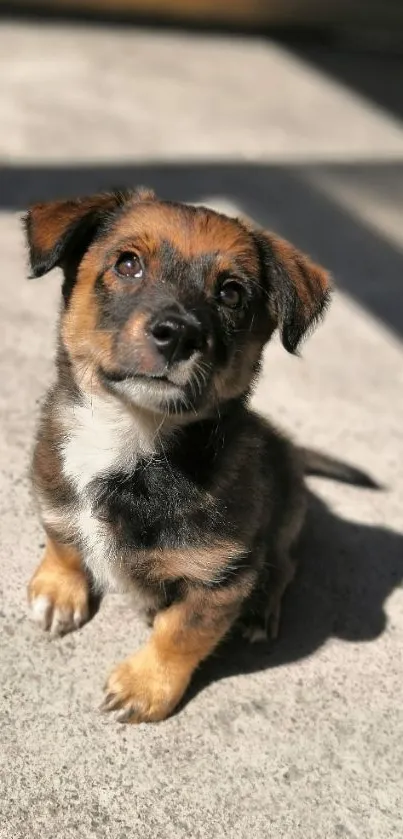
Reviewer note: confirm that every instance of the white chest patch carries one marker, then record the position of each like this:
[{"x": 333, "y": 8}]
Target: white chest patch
[{"x": 102, "y": 436}]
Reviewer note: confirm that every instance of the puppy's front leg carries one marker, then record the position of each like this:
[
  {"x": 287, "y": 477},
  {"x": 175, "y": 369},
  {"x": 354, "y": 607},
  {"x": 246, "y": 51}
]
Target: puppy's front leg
[
  {"x": 58, "y": 593},
  {"x": 148, "y": 686}
]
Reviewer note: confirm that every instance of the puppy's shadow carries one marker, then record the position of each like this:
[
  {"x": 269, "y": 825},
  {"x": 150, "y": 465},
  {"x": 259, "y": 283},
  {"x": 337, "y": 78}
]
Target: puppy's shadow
[{"x": 346, "y": 572}]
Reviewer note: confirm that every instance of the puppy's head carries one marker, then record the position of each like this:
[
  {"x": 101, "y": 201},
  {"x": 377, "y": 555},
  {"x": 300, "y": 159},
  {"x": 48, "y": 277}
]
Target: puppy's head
[{"x": 167, "y": 305}]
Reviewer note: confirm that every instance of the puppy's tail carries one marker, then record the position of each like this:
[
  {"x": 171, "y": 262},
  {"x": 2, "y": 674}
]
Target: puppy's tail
[{"x": 315, "y": 463}]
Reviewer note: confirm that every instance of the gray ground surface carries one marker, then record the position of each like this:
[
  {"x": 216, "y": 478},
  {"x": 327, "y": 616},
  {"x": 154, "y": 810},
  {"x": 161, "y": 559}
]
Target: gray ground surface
[{"x": 303, "y": 741}]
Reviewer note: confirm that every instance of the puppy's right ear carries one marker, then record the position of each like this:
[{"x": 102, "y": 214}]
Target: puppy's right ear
[{"x": 61, "y": 230}]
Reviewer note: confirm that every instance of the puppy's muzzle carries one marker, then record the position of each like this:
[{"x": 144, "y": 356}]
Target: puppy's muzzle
[{"x": 176, "y": 336}]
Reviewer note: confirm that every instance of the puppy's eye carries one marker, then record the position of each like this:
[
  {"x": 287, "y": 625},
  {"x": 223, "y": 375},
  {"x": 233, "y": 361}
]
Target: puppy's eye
[
  {"x": 231, "y": 294},
  {"x": 128, "y": 265}
]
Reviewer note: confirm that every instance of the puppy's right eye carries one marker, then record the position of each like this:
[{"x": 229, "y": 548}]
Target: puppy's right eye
[{"x": 129, "y": 266}]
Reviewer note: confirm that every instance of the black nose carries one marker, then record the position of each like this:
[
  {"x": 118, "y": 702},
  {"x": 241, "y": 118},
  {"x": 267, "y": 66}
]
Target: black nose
[{"x": 177, "y": 336}]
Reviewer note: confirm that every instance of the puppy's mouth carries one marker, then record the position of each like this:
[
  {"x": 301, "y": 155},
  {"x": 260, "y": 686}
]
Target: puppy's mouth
[
  {"x": 119, "y": 376},
  {"x": 163, "y": 391}
]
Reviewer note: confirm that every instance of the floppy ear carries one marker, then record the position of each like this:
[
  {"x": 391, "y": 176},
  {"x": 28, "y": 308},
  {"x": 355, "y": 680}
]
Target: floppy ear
[
  {"x": 62, "y": 230},
  {"x": 297, "y": 288}
]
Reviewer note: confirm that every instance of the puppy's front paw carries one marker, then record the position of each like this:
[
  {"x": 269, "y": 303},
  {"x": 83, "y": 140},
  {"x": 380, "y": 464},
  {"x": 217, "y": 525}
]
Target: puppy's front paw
[
  {"x": 58, "y": 599},
  {"x": 144, "y": 688}
]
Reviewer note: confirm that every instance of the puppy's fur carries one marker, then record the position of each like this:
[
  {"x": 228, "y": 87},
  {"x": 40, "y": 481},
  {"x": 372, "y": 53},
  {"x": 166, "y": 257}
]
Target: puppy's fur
[{"x": 150, "y": 472}]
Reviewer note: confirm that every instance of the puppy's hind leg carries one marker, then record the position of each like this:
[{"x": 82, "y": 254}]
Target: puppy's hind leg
[
  {"x": 285, "y": 565},
  {"x": 279, "y": 570},
  {"x": 282, "y": 577},
  {"x": 263, "y": 622}
]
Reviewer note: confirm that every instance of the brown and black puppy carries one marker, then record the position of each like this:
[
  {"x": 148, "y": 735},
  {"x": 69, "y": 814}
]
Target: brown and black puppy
[{"x": 150, "y": 472}]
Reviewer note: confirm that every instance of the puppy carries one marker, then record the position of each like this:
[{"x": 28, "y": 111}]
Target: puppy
[{"x": 150, "y": 472}]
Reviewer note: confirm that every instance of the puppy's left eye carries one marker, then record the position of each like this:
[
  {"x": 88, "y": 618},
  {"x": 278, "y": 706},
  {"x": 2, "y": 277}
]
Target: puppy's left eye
[
  {"x": 129, "y": 266},
  {"x": 231, "y": 294}
]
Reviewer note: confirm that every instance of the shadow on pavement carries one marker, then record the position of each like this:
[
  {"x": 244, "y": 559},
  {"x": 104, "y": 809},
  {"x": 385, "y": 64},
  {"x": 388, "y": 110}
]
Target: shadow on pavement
[
  {"x": 285, "y": 198},
  {"x": 346, "y": 573},
  {"x": 371, "y": 64}
]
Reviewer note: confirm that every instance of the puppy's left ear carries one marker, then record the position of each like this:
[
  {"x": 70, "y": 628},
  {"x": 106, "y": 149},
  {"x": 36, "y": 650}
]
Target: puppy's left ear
[{"x": 298, "y": 290}]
